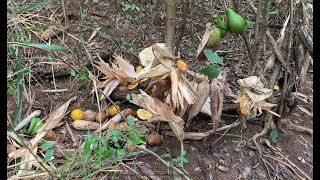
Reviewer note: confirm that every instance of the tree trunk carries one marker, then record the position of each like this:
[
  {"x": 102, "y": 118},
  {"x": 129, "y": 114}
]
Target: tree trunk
[{"x": 170, "y": 24}]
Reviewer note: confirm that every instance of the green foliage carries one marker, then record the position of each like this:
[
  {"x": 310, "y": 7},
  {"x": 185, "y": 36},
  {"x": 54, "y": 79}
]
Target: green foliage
[
  {"x": 109, "y": 148},
  {"x": 130, "y": 45},
  {"x": 48, "y": 146},
  {"x": 32, "y": 6},
  {"x": 211, "y": 71},
  {"x": 212, "y": 57},
  {"x": 34, "y": 126},
  {"x": 274, "y": 135},
  {"x": 131, "y": 9},
  {"x": 129, "y": 98},
  {"x": 180, "y": 160}
]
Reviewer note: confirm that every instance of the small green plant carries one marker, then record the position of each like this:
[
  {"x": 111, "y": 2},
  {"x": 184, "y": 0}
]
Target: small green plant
[
  {"x": 109, "y": 149},
  {"x": 48, "y": 146},
  {"x": 130, "y": 45},
  {"x": 180, "y": 160},
  {"x": 82, "y": 75},
  {"x": 132, "y": 9}
]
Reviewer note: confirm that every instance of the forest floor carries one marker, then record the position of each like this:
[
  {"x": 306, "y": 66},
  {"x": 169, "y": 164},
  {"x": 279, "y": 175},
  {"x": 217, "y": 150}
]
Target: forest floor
[{"x": 224, "y": 155}]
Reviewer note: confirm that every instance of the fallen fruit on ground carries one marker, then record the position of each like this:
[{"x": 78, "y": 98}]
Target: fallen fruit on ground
[
  {"x": 89, "y": 115},
  {"x": 144, "y": 114},
  {"x": 111, "y": 125},
  {"x": 221, "y": 25},
  {"x": 76, "y": 114},
  {"x": 154, "y": 139},
  {"x": 112, "y": 110},
  {"x": 181, "y": 66},
  {"x": 101, "y": 117},
  {"x": 85, "y": 125},
  {"x": 129, "y": 147}
]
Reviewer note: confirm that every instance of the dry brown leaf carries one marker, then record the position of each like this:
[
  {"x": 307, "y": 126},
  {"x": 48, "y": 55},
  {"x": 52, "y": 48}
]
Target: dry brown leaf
[
  {"x": 47, "y": 33},
  {"x": 204, "y": 41},
  {"x": 125, "y": 66},
  {"x": 177, "y": 129},
  {"x": 156, "y": 107},
  {"x": 203, "y": 87},
  {"x": 164, "y": 52}
]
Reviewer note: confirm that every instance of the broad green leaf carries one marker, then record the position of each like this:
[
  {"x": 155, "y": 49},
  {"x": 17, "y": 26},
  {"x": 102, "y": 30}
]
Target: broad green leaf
[
  {"x": 212, "y": 57},
  {"x": 274, "y": 135},
  {"x": 166, "y": 155},
  {"x": 47, "y": 145},
  {"x": 274, "y": 12},
  {"x": 211, "y": 71},
  {"x": 121, "y": 152},
  {"x": 49, "y": 154},
  {"x": 73, "y": 72},
  {"x": 32, "y": 6},
  {"x": 128, "y": 97}
]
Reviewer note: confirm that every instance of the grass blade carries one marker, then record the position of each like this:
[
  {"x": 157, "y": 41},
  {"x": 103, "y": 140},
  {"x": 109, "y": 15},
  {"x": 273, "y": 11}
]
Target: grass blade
[
  {"x": 32, "y": 6},
  {"x": 45, "y": 46}
]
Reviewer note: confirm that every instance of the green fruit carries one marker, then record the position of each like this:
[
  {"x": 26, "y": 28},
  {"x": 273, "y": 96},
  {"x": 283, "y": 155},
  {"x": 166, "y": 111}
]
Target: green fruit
[
  {"x": 220, "y": 24},
  {"x": 236, "y": 24},
  {"x": 215, "y": 37}
]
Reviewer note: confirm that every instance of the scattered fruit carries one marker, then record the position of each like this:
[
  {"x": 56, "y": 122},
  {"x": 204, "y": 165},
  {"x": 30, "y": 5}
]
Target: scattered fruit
[
  {"x": 85, "y": 125},
  {"x": 76, "y": 114},
  {"x": 154, "y": 139},
  {"x": 34, "y": 126},
  {"x": 144, "y": 114},
  {"x": 112, "y": 110},
  {"x": 236, "y": 24},
  {"x": 181, "y": 66},
  {"x": 221, "y": 25},
  {"x": 129, "y": 147},
  {"x": 101, "y": 117},
  {"x": 89, "y": 115},
  {"x": 276, "y": 88},
  {"x": 111, "y": 125},
  {"x": 215, "y": 37}
]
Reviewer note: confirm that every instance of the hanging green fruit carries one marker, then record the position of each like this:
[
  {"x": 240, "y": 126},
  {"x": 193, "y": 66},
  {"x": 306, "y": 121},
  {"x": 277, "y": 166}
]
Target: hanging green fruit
[
  {"x": 217, "y": 21},
  {"x": 236, "y": 24},
  {"x": 215, "y": 37}
]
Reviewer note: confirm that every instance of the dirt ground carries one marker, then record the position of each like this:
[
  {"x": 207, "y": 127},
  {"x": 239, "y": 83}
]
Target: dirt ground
[{"x": 228, "y": 155}]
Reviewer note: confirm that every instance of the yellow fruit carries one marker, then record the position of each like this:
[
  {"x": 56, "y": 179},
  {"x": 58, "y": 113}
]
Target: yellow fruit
[
  {"x": 181, "y": 66},
  {"x": 76, "y": 114},
  {"x": 138, "y": 69},
  {"x": 112, "y": 110},
  {"x": 144, "y": 114},
  {"x": 276, "y": 88}
]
